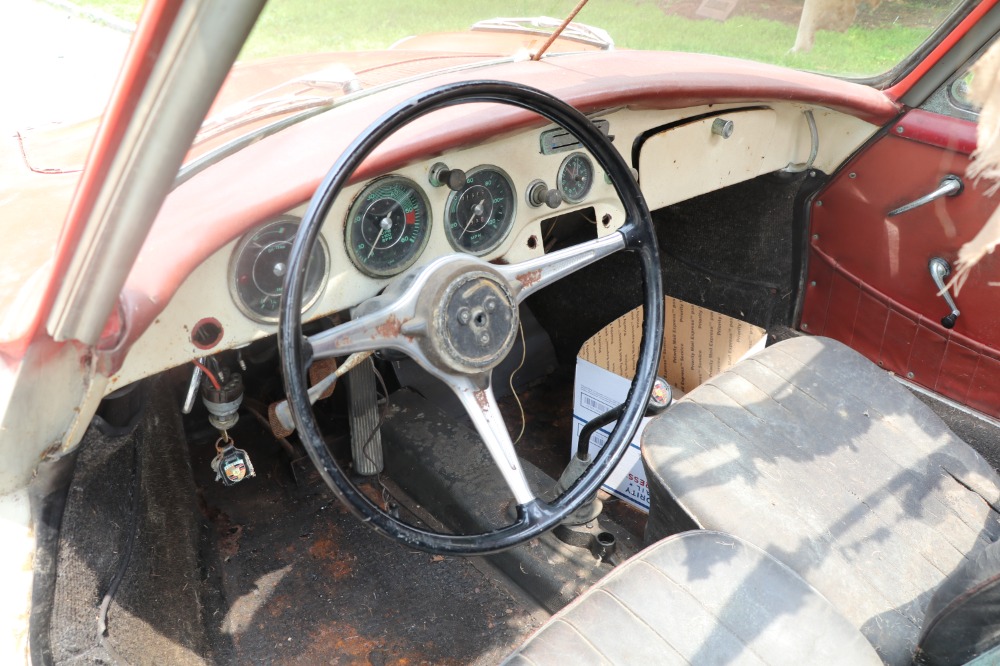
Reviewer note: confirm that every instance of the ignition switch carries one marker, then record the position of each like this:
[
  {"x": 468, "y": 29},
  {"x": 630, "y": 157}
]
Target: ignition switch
[{"x": 224, "y": 402}]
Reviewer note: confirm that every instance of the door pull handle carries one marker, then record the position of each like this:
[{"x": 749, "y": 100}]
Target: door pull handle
[
  {"x": 951, "y": 185},
  {"x": 940, "y": 269}
]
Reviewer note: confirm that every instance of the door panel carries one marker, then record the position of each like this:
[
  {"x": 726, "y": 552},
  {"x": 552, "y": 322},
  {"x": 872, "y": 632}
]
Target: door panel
[{"x": 868, "y": 281}]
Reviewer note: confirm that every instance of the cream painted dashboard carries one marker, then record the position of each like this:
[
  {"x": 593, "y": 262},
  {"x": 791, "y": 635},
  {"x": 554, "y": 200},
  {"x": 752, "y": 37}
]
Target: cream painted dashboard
[{"x": 680, "y": 158}]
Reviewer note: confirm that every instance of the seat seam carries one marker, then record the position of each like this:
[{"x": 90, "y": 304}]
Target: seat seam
[
  {"x": 698, "y": 601},
  {"x": 586, "y": 640},
  {"x": 628, "y": 609}
]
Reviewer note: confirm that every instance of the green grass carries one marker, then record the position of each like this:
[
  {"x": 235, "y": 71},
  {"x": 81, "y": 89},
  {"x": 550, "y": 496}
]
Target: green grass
[{"x": 301, "y": 26}]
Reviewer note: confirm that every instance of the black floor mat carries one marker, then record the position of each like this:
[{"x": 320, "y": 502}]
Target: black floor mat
[
  {"x": 272, "y": 570},
  {"x": 130, "y": 513},
  {"x": 306, "y": 583}
]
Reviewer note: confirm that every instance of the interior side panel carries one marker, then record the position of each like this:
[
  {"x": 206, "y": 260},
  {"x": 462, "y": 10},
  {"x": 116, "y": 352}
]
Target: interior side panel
[{"x": 868, "y": 281}]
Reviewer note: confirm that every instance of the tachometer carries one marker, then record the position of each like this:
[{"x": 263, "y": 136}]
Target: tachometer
[
  {"x": 388, "y": 226},
  {"x": 257, "y": 269},
  {"x": 480, "y": 215},
  {"x": 575, "y": 177}
]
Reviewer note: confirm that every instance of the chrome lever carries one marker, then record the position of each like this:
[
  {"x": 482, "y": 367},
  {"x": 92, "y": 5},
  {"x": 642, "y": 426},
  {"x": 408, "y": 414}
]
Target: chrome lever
[
  {"x": 940, "y": 269},
  {"x": 951, "y": 185}
]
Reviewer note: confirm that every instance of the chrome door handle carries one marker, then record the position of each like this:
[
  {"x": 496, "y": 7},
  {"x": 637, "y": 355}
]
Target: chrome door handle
[
  {"x": 950, "y": 186},
  {"x": 940, "y": 269}
]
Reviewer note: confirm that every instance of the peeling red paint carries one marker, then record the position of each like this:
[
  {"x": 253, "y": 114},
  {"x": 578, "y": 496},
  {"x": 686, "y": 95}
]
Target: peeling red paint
[{"x": 530, "y": 278}]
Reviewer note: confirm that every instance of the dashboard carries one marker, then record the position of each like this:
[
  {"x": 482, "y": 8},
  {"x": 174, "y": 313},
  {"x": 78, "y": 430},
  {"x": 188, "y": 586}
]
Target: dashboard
[
  {"x": 495, "y": 200},
  {"x": 391, "y": 220}
]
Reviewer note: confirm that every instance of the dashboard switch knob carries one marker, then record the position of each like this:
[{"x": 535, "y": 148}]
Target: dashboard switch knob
[
  {"x": 440, "y": 175},
  {"x": 539, "y": 193}
]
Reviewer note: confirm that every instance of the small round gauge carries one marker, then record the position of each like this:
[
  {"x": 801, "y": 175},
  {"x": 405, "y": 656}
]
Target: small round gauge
[
  {"x": 388, "y": 226},
  {"x": 260, "y": 262},
  {"x": 575, "y": 177},
  {"x": 480, "y": 215}
]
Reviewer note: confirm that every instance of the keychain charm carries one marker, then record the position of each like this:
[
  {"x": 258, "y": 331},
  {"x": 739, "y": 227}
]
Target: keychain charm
[{"x": 231, "y": 464}]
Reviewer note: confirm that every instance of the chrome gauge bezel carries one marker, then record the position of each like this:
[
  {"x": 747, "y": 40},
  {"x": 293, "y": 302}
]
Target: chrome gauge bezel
[
  {"x": 575, "y": 199},
  {"x": 240, "y": 250},
  {"x": 351, "y": 246},
  {"x": 505, "y": 226}
]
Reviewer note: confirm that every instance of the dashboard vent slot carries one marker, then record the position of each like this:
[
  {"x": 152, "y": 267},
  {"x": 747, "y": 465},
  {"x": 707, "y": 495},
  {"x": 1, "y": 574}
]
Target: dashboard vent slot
[{"x": 559, "y": 140}]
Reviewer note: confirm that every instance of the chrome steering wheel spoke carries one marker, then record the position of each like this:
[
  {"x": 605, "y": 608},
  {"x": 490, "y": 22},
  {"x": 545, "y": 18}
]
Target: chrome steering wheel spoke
[
  {"x": 392, "y": 327},
  {"x": 527, "y": 277},
  {"x": 482, "y": 408}
]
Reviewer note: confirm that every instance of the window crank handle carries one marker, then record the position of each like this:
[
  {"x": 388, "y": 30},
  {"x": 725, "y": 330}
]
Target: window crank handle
[
  {"x": 950, "y": 186},
  {"x": 940, "y": 269}
]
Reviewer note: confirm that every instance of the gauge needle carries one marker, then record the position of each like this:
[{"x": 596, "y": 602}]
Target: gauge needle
[
  {"x": 477, "y": 210},
  {"x": 384, "y": 224}
]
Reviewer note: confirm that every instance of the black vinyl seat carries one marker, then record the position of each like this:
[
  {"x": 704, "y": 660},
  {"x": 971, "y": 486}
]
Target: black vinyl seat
[{"x": 812, "y": 453}]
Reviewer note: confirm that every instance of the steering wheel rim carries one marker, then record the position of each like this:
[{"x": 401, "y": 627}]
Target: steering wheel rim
[{"x": 532, "y": 517}]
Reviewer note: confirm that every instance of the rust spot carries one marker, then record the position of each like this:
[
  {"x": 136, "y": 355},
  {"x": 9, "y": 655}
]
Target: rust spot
[
  {"x": 322, "y": 548},
  {"x": 391, "y": 327},
  {"x": 529, "y": 278},
  {"x": 484, "y": 403}
]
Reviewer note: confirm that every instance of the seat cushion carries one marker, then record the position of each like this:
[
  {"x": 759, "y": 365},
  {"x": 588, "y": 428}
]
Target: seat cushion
[
  {"x": 695, "y": 598},
  {"x": 814, "y": 454}
]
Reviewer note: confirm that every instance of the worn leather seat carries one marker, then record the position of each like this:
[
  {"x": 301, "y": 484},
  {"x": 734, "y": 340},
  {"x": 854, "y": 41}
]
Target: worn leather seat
[
  {"x": 812, "y": 453},
  {"x": 695, "y": 598}
]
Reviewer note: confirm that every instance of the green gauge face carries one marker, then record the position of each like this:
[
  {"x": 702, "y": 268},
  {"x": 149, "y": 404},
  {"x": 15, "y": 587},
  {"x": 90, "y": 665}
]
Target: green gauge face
[
  {"x": 479, "y": 216},
  {"x": 388, "y": 226},
  {"x": 259, "y": 264},
  {"x": 575, "y": 177}
]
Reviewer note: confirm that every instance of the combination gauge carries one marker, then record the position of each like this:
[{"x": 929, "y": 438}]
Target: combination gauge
[{"x": 575, "y": 178}]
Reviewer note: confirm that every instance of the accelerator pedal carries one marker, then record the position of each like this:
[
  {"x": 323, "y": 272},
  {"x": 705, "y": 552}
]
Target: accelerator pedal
[{"x": 366, "y": 436}]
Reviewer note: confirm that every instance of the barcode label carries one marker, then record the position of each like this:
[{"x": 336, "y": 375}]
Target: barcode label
[
  {"x": 597, "y": 439},
  {"x": 595, "y": 402}
]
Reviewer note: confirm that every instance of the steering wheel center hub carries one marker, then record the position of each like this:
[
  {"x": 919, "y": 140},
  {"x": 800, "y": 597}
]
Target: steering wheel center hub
[{"x": 476, "y": 322}]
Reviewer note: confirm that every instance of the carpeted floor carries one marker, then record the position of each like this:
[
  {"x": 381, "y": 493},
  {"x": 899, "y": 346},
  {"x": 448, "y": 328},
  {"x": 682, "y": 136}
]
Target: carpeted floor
[{"x": 272, "y": 570}]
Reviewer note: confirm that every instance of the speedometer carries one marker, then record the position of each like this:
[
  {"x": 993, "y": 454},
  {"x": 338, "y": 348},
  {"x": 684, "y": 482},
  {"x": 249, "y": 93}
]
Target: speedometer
[
  {"x": 257, "y": 269},
  {"x": 479, "y": 216},
  {"x": 388, "y": 226}
]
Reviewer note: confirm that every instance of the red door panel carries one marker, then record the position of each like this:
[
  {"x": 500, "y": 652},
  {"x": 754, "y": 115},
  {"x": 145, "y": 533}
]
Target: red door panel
[{"x": 868, "y": 280}]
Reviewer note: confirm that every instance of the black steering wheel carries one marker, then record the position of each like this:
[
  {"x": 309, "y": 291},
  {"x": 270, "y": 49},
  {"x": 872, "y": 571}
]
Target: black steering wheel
[{"x": 416, "y": 315}]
